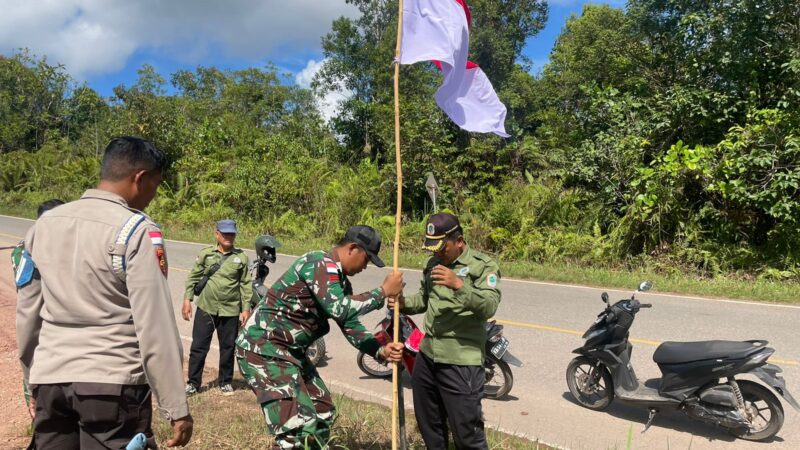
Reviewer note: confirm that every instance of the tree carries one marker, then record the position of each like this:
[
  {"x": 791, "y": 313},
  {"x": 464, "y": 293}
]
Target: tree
[
  {"x": 358, "y": 53},
  {"x": 716, "y": 60},
  {"x": 499, "y": 31},
  {"x": 32, "y": 96}
]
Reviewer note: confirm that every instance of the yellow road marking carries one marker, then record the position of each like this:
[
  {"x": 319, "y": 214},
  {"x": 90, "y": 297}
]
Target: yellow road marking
[
  {"x": 527, "y": 325},
  {"x": 634, "y": 340}
]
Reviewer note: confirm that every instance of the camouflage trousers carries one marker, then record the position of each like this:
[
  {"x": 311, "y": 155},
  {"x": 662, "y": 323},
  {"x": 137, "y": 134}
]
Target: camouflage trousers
[{"x": 297, "y": 405}]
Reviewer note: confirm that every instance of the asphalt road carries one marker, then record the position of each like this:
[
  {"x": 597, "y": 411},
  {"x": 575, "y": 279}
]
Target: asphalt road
[{"x": 544, "y": 322}]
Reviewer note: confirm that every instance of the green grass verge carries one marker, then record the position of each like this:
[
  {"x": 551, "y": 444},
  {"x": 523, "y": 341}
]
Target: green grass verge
[
  {"x": 730, "y": 286},
  {"x": 236, "y": 422}
]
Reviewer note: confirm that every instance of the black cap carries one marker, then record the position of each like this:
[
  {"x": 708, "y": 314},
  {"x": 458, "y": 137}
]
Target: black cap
[
  {"x": 368, "y": 239},
  {"x": 439, "y": 226}
]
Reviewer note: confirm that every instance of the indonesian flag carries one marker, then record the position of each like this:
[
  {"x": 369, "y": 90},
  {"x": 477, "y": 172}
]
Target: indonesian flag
[{"x": 438, "y": 31}]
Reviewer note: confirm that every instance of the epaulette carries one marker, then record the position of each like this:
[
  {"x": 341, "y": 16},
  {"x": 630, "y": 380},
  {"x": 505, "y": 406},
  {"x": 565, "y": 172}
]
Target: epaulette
[
  {"x": 483, "y": 257},
  {"x": 119, "y": 248}
]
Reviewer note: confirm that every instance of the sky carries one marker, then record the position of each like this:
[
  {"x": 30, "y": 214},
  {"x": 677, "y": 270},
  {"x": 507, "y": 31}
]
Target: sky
[{"x": 104, "y": 42}]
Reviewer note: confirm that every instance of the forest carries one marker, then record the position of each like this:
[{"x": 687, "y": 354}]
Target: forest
[{"x": 661, "y": 135}]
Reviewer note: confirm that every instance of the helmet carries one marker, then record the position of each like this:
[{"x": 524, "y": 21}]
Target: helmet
[{"x": 265, "y": 247}]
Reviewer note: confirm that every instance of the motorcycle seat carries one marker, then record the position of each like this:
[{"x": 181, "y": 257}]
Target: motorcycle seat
[{"x": 683, "y": 352}]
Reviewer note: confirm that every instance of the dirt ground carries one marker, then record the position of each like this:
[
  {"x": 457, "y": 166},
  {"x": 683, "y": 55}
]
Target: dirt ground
[
  {"x": 14, "y": 426},
  {"x": 15, "y": 422}
]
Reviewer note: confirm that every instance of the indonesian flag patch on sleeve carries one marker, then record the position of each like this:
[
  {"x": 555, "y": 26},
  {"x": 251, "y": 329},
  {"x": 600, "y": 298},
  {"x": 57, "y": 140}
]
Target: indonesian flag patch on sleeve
[
  {"x": 333, "y": 271},
  {"x": 156, "y": 238}
]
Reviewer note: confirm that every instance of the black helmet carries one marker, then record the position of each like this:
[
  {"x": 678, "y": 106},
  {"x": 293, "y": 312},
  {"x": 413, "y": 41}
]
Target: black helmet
[{"x": 265, "y": 247}]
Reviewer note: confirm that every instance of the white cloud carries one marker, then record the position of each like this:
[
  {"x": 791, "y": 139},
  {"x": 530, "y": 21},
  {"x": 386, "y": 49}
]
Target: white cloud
[
  {"x": 306, "y": 76},
  {"x": 329, "y": 103},
  {"x": 98, "y": 36}
]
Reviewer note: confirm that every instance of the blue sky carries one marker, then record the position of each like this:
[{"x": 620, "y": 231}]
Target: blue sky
[
  {"x": 104, "y": 42},
  {"x": 538, "y": 47}
]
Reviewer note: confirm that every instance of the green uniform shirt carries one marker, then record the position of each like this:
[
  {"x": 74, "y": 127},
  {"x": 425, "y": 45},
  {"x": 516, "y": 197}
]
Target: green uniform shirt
[
  {"x": 455, "y": 321},
  {"x": 228, "y": 291}
]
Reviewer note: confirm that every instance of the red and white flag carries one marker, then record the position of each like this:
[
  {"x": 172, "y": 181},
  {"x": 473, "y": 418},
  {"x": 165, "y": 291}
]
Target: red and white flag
[{"x": 438, "y": 31}]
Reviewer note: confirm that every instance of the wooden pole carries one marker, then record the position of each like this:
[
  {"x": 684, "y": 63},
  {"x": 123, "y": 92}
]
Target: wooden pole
[{"x": 398, "y": 162}]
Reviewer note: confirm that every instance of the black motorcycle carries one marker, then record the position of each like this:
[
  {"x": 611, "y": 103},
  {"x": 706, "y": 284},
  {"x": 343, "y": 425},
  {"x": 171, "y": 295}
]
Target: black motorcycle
[
  {"x": 266, "y": 247},
  {"x": 698, "y": 378},
  {"x": 498, "y": 377}
]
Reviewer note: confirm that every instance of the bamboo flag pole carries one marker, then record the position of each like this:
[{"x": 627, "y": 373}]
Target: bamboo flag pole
[{"x": 396, "y": 324}]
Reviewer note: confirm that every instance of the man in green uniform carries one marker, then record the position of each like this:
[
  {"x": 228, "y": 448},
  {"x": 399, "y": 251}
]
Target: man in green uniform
[
  {"x": 460, "y": 291},
  {"x": 271, "y": 348},
  {"x": 221, "y": 279}
]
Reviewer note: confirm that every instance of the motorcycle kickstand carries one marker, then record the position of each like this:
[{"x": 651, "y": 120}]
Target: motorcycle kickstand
[{"x": 650, "y": 418}]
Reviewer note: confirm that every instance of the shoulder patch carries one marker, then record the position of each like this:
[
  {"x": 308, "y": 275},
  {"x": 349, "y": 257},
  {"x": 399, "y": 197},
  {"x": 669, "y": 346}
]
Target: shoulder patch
[
  {"x": 16, "y": 256},
  {"x": 161, "y": 254},
  {"x": 25, "y": 269},
  {"x": 491, "y": 280},
  {"x": 161, "y": 257}
]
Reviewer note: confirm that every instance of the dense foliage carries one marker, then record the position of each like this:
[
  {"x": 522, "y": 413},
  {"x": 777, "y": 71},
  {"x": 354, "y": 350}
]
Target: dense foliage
[{"x": 665, "y": 134}]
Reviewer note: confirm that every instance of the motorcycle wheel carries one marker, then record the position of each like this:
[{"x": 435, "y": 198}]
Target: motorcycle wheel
[
  {"x": 499, "y": 379},
  {"x": 589, "y": 384},
  {"x": 316, "y": 351},
  {"x": 372, "y": 366},
  {"x": 759, "y": 401}
]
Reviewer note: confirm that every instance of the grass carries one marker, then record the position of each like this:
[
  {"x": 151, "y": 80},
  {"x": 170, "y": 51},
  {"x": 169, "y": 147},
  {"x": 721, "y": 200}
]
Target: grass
[
  {"x": 236, "y": 422},
  {"x": 724, "y": 286},
  {"x": 729, "y": 286}
]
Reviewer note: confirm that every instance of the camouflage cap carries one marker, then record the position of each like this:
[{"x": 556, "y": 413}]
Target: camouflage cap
[{"x": 438, "y": 227}]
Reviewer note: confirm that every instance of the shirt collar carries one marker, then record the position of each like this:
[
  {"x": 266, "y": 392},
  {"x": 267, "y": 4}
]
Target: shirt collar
[
  {"x": 465, "y": 256},
  {"x": 105, "y": 195}
]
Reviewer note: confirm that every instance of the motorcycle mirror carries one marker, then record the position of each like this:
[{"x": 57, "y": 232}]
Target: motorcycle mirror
[
  {"x": 604, "y": 296},
  {"x": 645, "y": 286}
]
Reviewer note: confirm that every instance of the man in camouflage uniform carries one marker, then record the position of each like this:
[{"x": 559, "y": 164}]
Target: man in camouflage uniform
[
  {"x": 460, "y": 291},
  {"x": 271, "y": 348}
]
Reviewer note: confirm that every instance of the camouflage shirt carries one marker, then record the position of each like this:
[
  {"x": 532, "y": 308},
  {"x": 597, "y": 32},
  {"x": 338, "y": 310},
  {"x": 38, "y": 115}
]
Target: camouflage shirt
[{"x": 297, "y": 307}]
